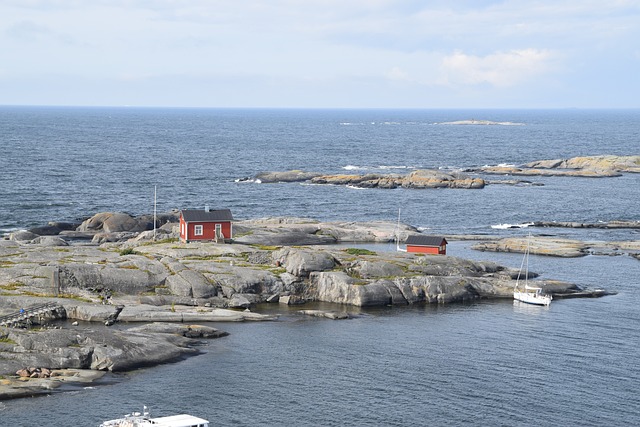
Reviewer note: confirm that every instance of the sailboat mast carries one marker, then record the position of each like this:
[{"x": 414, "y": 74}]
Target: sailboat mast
[
  {"x": 526, "y": 271},
  {"x": 398, "y": 248},
  {"x": 155, "y": 200},
  {"x": 398, "y": 231}
]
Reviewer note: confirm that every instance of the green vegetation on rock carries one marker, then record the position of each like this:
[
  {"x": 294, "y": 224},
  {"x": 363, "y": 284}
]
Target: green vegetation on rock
[
  {"x": 128, "y": 251},
  {"x": 358, "y": 251}
]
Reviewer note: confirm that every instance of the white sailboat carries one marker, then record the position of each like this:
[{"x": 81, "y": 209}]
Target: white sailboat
[{"x": 529, "y": 294}]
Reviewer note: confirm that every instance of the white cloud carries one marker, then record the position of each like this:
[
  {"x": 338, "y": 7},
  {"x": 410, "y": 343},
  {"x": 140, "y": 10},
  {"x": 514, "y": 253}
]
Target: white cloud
[
  {"x": 412, "y": 47},
  {"x": 498, "y": 69},
  {"x": 397, "y": 74}
]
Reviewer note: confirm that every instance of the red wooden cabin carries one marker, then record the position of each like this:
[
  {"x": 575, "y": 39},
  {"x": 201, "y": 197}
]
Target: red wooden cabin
[
  {"x": 427, "y": 245},
  {"x": 211, "y": 225}
]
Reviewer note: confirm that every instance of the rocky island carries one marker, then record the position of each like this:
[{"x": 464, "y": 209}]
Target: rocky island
[
  {"x": 589, "y": 167},
  {"x": 586, "y": 167},
  {"x": 418, "y": 179},
  {"x": 110, "y": 268}
]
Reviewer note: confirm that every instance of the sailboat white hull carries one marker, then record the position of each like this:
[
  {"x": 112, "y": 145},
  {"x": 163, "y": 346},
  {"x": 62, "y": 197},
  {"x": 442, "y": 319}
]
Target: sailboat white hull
[
  {"x": 530, "y": 294},
  {"x": 534, "y": 298}
]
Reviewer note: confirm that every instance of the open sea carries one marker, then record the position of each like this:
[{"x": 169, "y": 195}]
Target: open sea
[{"x": 493, "y": 363}]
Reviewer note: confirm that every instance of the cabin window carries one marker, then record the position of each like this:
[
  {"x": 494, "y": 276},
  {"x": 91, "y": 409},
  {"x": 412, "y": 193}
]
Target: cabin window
[
  {"x": 182, "y": 228},
  {"x": 197, "y": 230}
]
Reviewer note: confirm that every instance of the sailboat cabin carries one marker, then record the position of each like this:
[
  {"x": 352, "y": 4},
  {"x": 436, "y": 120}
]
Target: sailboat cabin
[
  {"x": 427, "y": 244},
  {"x": 206, "y": 225}
]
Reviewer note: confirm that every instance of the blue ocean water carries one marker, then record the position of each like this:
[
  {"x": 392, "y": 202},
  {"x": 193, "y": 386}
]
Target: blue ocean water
[
  {"x": 67, "y": 163},
  {"x": 486, "y": 363}
]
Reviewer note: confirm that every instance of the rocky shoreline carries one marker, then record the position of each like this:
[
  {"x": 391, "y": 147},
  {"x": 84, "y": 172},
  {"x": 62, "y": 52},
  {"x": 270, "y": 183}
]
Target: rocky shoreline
[{"x": 110, "y": 268}]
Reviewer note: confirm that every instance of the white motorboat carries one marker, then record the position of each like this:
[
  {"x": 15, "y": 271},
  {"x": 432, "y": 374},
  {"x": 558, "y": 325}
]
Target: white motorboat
[
  {"x": 144, "y": 419},
  {"x": 529, "y": 294}
]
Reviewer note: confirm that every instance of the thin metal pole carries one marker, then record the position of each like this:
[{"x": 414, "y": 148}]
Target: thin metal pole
[{"x": 155, "y": 199}]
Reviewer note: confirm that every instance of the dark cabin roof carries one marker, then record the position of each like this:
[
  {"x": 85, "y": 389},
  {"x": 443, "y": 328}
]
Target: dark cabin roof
[
  {"x": 417, "y": 240},
  {"x": 193, "y": 215}
]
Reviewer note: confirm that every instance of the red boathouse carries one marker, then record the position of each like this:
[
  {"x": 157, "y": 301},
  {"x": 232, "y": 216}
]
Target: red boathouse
[
  {"x": 427, "y": 245},
  {"x": 206, "y": 225}
]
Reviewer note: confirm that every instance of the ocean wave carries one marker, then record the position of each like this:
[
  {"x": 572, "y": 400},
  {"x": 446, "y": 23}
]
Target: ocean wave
[
  {"x": 354, "y": 167},
  {"x": 450, "y": 168},
  {"x": 507, "y": 226},
  {"x": 248, "y": 180},
  {"x": 395, "y": 167},
  {"x": 479, "y": 122},
  {"x": 6, "y": 231}
]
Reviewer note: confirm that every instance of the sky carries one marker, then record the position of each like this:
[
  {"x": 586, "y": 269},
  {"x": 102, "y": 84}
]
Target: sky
[{"x": 321, "y": 53}]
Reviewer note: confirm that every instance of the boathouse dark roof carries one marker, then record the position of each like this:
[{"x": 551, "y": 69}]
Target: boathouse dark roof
[
  {"x": 193, "y": 215},
  {"x": 418, "y": 240}
]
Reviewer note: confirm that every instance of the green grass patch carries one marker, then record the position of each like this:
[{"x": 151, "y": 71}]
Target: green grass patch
[
  {"x": 128, "y": 251},
  {"x": 202, "y": 257},
  {"x": 265, "y": 247},
  {"x": 12, "y": 286},
  {"x": 359, "y": 251},
  {"x": 66, "y": 296},
  {"x": 161, "y": 241},
  {"x": 7, "y": 340}
]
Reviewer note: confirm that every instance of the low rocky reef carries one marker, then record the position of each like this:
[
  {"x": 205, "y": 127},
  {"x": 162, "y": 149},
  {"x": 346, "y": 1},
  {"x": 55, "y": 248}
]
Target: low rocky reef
[
  {"x": 37, "y": 361},
  {"x": 589, "y": 167},
  {"x": 557, "y": 247},
  {"x": 620, "y": 224},
  {"x": 418, "y": 179}
]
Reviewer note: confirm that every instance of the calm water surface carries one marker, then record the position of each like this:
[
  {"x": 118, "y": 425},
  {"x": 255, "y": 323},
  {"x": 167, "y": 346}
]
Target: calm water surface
[{"x": 487, "y": 363}]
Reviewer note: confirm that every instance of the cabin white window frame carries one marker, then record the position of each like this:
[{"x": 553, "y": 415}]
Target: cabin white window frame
[{"x": 198, "y": 230}]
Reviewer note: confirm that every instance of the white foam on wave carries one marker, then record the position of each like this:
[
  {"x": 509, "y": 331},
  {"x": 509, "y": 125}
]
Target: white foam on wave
[
  {"x": 353, "y": 187},
  {"x": 5, "y": 232},
  {"x": 395, "y": 167},
  {"x": 354, "y": 167},
  {"x": 507, "y": 226},
  {"x": 248, "y": 180},
  {"x": 480, "y": 122},
  {"x": 450, "y": 168}
]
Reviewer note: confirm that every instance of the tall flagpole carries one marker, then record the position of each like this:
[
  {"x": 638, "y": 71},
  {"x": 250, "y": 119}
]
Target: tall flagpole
[{"x": 155, "y": 192}]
